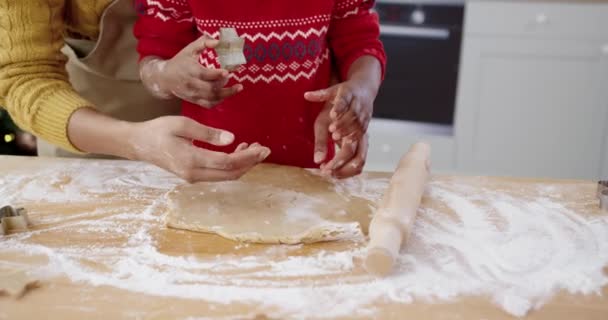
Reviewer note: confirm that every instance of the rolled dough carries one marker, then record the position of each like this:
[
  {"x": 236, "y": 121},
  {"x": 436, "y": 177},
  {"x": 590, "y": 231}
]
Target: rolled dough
[{"x": 270, "y": 204}]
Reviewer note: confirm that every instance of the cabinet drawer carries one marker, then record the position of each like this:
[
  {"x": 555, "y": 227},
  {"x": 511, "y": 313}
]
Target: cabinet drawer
[{"x": 538, "y": 19}]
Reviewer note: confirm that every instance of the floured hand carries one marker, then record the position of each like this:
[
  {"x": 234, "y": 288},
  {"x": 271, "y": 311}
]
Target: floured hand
[
  {"x": 167, "y": 143},
  {"x": 184, "y": 77},
  {"x": 352, "y": 104},
  {"x": 345, "y": 117},
  {"x": 350, "y": 158},
  {"x": 348, "y": 110}
]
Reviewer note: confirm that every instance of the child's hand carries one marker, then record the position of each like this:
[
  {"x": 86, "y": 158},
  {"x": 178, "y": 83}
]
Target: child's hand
[
  {"x": 184, "y": 77},
  {"x": 349, "y": 160},
  {"x": 352, "y": 107}
]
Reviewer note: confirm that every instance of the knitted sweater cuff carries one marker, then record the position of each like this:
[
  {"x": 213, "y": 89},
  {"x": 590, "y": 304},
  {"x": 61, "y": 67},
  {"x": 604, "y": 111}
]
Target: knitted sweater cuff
[{"x": 53, "y": 115}]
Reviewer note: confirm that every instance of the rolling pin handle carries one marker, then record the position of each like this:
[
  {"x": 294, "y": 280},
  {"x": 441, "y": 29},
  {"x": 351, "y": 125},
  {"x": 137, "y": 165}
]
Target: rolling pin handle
[
  {"x": 385, "y": 242},
  {"x": 392, "y": 223}
]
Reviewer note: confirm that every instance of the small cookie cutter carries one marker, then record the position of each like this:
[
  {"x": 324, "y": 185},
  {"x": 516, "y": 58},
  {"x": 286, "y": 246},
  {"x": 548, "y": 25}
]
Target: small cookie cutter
[
  {"x": 230, "y": 49},
  {"x": 602, "y": 194},
  {"x": 13, "y": 219}
]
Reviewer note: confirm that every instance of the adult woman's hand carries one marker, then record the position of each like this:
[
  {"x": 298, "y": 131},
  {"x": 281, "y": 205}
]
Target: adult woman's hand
[
  {"x": 165, "y": 142},
  {"x": 184, "y": 77}
]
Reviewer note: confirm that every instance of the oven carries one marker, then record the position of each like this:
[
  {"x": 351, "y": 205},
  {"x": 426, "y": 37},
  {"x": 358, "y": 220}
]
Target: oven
[{"x": 422, "y": 40}]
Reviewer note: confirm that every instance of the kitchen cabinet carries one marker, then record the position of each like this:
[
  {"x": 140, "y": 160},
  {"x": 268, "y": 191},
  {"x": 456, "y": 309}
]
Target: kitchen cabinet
[
  {"x": 533, "y": 90},
  {"x": 604, "y": 81},
  {"x": 390, "y": 139},
  {"x": 604, "y": 175}
]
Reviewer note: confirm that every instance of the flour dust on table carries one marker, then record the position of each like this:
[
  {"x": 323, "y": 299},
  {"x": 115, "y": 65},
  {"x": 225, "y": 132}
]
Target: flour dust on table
[{"x": 517, "y": 246}]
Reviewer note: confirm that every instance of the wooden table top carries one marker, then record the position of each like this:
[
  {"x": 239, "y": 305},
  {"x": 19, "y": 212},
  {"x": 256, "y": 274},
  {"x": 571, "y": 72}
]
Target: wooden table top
[{"x": 99, "y": 246}]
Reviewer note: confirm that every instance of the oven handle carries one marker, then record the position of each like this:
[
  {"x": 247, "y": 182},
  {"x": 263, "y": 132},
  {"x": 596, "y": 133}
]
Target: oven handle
[{"x": 415, "y": 32}]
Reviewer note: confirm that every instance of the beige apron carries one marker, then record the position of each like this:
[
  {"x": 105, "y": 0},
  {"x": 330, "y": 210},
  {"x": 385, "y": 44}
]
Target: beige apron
[{"x": 108, "y": 75}]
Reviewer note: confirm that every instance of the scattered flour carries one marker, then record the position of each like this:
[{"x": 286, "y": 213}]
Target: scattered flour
[
  {"x": 83, "y": 181},
  {"x": 516, "y": 250}
]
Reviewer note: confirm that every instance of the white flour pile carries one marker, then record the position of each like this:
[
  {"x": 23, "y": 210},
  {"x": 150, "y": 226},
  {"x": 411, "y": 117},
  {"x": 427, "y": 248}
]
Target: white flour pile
[{"x": 517, "y": 251}]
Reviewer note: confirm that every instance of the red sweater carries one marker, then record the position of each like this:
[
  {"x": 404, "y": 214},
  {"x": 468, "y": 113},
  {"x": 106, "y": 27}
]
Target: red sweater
[{"x": 290, "y": 47}]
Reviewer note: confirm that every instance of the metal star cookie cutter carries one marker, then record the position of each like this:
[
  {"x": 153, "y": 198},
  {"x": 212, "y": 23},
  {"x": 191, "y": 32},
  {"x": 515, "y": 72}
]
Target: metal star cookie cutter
[
  {"x": 230, "y": 49},
  {"x": 602, "y": 194},
  {"x": 13, "y": 219}
]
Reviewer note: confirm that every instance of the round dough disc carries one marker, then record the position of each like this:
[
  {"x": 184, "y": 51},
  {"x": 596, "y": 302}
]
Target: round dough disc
[{"x": 270, "y": 204}]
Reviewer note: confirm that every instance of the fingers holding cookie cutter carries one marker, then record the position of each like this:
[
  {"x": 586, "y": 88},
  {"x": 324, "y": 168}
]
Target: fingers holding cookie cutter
[{"x": 13, "y": 219}]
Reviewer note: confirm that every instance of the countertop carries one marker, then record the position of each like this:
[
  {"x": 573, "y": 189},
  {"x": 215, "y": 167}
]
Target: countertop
[{"x": 100, "y": 249}]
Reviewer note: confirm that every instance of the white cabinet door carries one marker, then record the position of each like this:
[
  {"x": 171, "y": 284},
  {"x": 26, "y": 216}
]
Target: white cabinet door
[
  {"x": 604, "y": 66},
  {"x": 532, "y": 107},
  {"x": 389, "y": 140}
]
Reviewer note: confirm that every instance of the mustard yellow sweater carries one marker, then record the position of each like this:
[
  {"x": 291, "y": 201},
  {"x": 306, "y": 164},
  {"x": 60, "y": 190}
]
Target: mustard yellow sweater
[{"x": 34, "y": 85}]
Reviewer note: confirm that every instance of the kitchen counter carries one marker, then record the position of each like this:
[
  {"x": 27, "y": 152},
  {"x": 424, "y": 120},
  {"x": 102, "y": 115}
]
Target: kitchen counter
[{"x": 100, "y": 250}]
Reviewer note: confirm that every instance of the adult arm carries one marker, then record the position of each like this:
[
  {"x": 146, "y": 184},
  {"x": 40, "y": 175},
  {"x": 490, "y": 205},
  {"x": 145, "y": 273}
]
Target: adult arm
[
  {"x": 34, "y": 88},
  {"x": 34, "y": 85},
  {"x": 165, "y": 142}
]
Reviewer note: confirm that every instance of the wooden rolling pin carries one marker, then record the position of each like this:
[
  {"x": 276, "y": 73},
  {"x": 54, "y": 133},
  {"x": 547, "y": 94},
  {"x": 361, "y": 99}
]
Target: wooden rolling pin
[{"x": 393, "y": 221}]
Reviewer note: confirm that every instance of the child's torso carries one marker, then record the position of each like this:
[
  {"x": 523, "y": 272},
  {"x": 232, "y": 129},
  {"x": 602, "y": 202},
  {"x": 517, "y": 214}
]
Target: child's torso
[{"x": 287, "y": 54}]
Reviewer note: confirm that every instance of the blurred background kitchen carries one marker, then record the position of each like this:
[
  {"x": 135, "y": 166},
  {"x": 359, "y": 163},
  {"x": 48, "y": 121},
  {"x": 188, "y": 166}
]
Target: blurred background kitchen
[
  {"x": 516, "y": 88},
  {"x": 14, "y": 141},
  {"x": 510, "y": 88}
]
